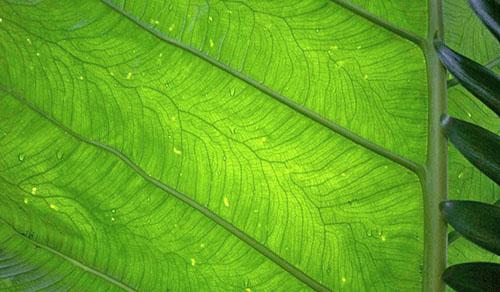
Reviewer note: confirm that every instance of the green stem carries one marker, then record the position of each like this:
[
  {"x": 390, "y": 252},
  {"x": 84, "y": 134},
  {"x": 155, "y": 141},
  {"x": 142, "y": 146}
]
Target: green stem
[{"x": 436, "y": 182}]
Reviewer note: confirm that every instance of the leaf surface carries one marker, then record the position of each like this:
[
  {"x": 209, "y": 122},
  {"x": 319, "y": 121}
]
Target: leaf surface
[
  {"x": 243, "y": 145},
  {"x": 478, "y": 222},
  {"x": 473, "y": 276},
  {"x": 290, "y": 122}
]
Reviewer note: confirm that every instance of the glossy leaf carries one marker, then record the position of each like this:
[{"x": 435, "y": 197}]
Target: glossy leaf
[
  {"x": 476, "y": 221},
  {"x": 466, "y": 34},
  {"x": 454, "y": 235},
  {"x": 481, "y": 81},
  {"x": 478, "y": 145},
  {"x": 488, "y": 12},
  {"x": 473, "y": 277}
]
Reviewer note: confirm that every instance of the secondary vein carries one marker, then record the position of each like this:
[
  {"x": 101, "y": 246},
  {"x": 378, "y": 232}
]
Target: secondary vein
[
  {"x": 407, "y": 163},
  {"x": 262, "y": 249},
  {"x": 419, "y": 41},
  {"x": 72, "y": 260}
]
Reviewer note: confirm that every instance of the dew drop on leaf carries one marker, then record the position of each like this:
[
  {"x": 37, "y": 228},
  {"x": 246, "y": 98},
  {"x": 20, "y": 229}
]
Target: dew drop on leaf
[{"x": 20, "y": 157}]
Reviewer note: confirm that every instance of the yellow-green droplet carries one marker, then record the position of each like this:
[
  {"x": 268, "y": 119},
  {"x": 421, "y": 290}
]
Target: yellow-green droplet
[
  {"x": 193, "y": 262},
  {"x": 232, "y": 91},
  {"x": 20, "y": 157}
]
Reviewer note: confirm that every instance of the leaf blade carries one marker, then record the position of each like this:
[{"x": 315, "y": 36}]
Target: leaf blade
[
  {"x": 478, "y": 145},
  {"x": 478, "y": 222},
  {"x": 479, "y": 80},
  {"x": 473, "y": 276}
]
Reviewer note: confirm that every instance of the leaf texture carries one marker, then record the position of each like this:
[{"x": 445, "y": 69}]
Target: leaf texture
[
  {"x": 223, "y": 145},
  {"x": 487, "y": 11}
]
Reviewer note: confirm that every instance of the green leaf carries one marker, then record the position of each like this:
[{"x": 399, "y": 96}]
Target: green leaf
[
  {"x": 478, "y": 145},
  {"x": 479, "y": 80},
  {"x": 209, "y": 146},
  {"x": 478, "y": 222},
  {"x": 213, "y": 145},
  {"x": 487, "y": 10},
  {"x": 473, "y": 277}
]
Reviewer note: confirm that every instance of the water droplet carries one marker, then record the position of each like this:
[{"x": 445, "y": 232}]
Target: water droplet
[
  {"x": 212, "y": 44},
  {"x": 365, "y": 77},
  {"x": 1, "y": 20},
  {"x": 382, "y": 237},
  {"x": 343, "y": 279},
  {"x": 113, "y": 219},
  {"x": 171, "y": 27},
  {"x": 224, "y": 158},
  {"x": 20, "y": 157},
  {"x": 369, "y": 233},
  {"x": 469, "y": 115},
  {"x": 248, "y": 290},
  {"x": 193, "y": 262},
  {"x": 226, "y": 202},
  {"x": 232, "y": 91},
  {"x": 81, "y": 78},
  {"x": 210, "y": 18},
  {"x": 59, "y": 155},
  {"x": 317, "y": 30},
  {"x": 25, "y": 200},
  {"x": 53, "y": 207},
  {"x": 177, "y": 151},
  {"x": 38, "y": 54},
  {"x": 358, "y": 47},
  {"x": 33, "y": 190},
  {"x": 129, "y": 75},
  {"x": 113, "y": 211},
  {"x": 202, "y": 245}
]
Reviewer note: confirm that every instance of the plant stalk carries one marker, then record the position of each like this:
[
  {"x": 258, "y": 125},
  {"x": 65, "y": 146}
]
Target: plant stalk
[{"x": 436, "y": 177}]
